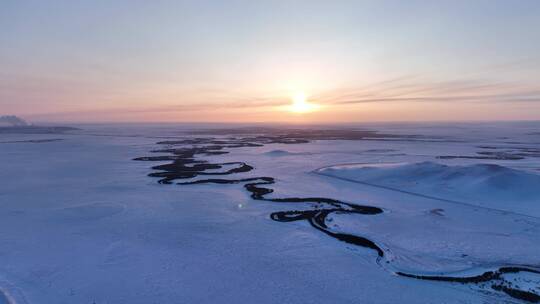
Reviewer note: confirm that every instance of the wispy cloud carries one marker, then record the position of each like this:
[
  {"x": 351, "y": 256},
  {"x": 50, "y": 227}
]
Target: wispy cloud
[{"x": 405, "y": 90}]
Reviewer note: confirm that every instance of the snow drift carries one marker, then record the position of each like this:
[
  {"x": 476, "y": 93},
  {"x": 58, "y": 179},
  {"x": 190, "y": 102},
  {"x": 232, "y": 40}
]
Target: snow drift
[{"x": 486, "y": 185}]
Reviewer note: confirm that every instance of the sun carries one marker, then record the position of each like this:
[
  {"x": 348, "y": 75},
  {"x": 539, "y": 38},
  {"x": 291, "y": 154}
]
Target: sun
[{"x": 301, "y": 105}]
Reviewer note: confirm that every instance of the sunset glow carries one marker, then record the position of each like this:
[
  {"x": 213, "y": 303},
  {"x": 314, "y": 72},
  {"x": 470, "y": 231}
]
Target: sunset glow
[
  {"x": 315, "y": 62},
  {"x": 300, "y": 104}
]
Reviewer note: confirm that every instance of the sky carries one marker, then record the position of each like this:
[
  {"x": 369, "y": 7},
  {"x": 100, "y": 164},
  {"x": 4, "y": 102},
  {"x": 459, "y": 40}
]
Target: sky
[{"x": 244, "y": 61}]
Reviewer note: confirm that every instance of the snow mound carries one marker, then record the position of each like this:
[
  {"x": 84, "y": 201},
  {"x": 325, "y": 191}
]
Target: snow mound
[
  {"x": 89, "y": 212},
  {"x": 487, "y": 185},
  {"x": 278, "y": 153}
]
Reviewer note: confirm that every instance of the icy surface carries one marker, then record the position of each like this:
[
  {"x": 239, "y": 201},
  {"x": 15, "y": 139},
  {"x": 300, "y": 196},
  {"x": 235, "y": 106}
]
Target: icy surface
[{"x": 81, "y": 222}]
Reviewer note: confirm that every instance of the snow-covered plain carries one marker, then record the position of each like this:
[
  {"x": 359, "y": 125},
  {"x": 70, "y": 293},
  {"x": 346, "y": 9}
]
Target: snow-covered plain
[{"x": 81, "y": 222}]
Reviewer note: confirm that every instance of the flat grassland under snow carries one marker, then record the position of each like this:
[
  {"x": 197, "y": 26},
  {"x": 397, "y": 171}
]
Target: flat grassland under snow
[{"x": 81, "y": 222}]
